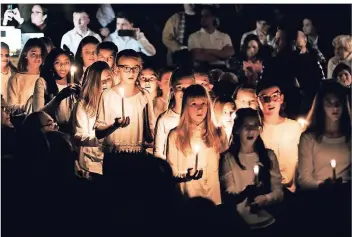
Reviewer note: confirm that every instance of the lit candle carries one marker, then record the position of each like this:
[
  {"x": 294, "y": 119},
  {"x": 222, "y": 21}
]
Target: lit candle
[
  {"x": 333, "y": 166},
  {"x": 122, "y": 93},
  {"x": 73, "y": 70},
  {"x": 196, "y": 150},
  {"x": 256, "y": 172},
  {"x": 233, "y": 115},
  {"x": 302, "y": 122}
]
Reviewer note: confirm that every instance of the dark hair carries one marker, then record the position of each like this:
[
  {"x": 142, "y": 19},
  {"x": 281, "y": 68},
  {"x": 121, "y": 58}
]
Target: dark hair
[
  {"x": 125, "y": 15},
  {"x": 317, "y": 113},
  {"x": 245, "y": 46},
  {"x": 259, "y": 146},
  {"x": 267, "y": 83},
  {"x": 177, "y": 75},
  {"x": 78, "y": 57},
  {"x": 31, "y": 43},
  {"x": 162, "y": 71},
  {"x": 213, "y": 11},
  {"x": 127, "y": 53},
  {"x": 79, "y": 9},
  {"x": 44, "y": 8},
  {"x": 242, "y": 87},
  {"x": 108, "y": 45},
  {"x": 49, "y": 74},
  {"x": 47, "y": 41},
  {"x": 339, "y": 68},
  {"x": 12, "y": 67}
]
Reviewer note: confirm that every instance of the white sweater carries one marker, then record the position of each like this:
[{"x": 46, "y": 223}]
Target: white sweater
[
  {"x": 314, "y": 160},
  {"x": 90, "y": 153},
  {"x": 167, "y": 121}
]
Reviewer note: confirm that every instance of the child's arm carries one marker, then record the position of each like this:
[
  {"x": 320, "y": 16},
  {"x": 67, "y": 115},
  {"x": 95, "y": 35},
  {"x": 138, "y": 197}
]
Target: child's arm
[{"x": 276, "y": 194}]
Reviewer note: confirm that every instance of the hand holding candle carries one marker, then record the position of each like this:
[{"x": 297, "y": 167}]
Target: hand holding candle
[
  {"x": 333, "y": 166},
  {"x": 122, "y": 93}
]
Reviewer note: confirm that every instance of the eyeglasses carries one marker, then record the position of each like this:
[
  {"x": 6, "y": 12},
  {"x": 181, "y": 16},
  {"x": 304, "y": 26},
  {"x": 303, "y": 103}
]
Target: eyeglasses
[
  {"x": 52, "y": 125},
  {"x": 5, "y": 109},
  {"x": 128, "y": 69},
  {"x": 273, "y": 97}
]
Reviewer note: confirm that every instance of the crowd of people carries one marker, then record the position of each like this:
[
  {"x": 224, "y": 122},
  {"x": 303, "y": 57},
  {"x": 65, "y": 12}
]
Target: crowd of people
[{"x": 249, "y": 143}]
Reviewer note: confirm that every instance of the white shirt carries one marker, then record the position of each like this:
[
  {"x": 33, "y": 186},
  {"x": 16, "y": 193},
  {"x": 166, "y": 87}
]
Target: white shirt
[
  {"x": 269, "y": 39},
  {"x": 141, "y": 45},
  {"x": 204, "y": 40},
  {"x": 72, "y": 39},
  {"x": 167, "y": 121},
  {"x": 334, "y": 61}
]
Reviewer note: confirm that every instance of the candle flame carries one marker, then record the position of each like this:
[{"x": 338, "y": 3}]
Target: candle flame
[
  {"x": 333, "y": 163},
  {"x": 73, "y": 69},
  {"x": 302, "y": 122},
  {"x": 196, "y": 148},
  {"x": 122, "y": 92},
  {"x": 256, "y": 169}
]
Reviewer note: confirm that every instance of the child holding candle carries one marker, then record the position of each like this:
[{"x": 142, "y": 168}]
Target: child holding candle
[
  {"x": 196, "y": 128},
  {"x": 149, "y": 81},
  {"x": 224, "y": 108},
  {"x": 180, "y": 80},
  {"x": 239, "y": 184},
  {"x": 98, "y": 78},
  {"x": 52, "y": 91},
  {"x": 327, "y": 137},
  {"x": 124, "y": 135}
]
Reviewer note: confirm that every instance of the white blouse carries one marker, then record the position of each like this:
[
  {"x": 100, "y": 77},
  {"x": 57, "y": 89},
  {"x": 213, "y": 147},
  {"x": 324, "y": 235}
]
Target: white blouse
[
  {"x": 20, "y": 89},
  {"x": 90, "y": 152},
  {"x": 130, "y": 138}
]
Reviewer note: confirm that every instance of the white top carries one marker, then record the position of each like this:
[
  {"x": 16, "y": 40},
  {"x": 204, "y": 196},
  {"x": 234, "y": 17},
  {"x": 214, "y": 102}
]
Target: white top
[
  {"x": 208, "y": 185},
  {"x": 333, "y": 62},
  {"x": 4, "y": 84},
  {"x": 167, "y": 121},
  {"x": 204, "y": 40},
  {"x": 141, "y": 45},
  {"x": 314, "y": 160},
  {"x": 269, "y": 38},
  {"x": 283, "y": 139},
  {"x": 62, "y": 113},
  {"x": 72, "y": 39},
  {"x": 130, "y": 138},
  {"x": 20, "y": 89},
  {"x": 234, "y": 180},
  {"x": 160, "y": 106},
  {"x": 90, "y": 153}
]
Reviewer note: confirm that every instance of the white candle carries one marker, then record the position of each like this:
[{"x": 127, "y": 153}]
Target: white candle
[
  {"x": 256, "y": 173},
  {"x": 302, "y": 122},
  {"x": 122, "y": 93},
  {"x": 196, "y": 150},
  {"x": 73, "y": 70},
  {"x": 333, "y": 166}
]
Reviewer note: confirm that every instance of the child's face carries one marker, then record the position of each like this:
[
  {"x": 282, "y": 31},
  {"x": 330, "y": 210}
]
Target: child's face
[
  {"x": 250, "y": 130},
  {"x": 180, "y": 86},
  {"x": 246, "y": 99},
  {"x": 197, "y": 109},
  {"x": 128, "y": 69},
  {"x": 106, "y": 79},
  {"x": 107, "y": 56},
  {"x": 34, "y": 57},
  {"x": 62, "y": 65},
  {"x": 332, "y": 107},
  {"x": 5, "y": 57},
  {"x": 149, "y": 81},
  {"x": 203, "y": 80},
  {"x": 270, "y": 101},
  {"x": 89, "y": 54},
  {"x": 344, "y": 78},
  {"x": 227, "y": 114}
]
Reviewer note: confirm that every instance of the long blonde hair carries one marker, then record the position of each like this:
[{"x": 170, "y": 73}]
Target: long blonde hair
[
  {"x": 211, "y": 135},
  {"x": 92, "y": 88}
]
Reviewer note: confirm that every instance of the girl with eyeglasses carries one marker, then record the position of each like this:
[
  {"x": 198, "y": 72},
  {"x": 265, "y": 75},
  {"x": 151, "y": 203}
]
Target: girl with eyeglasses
[
  {"x": 7, "y": 69},
  {"x": 194, "y": 147},
  {"x": 85, "y": 56},
  {"x": 55, "y": 93},
  {"x": 127, "y": 127},
  {"x": 98, "y": 77},
  {"x": 279, "y": 133},
  {"x": 21, "y": 85}
]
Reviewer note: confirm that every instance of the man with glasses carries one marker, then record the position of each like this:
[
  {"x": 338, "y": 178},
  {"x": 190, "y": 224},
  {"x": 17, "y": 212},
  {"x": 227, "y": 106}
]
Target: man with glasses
[
  {"x": 279, "y": 134},
  {"x": 128, "y": 37},
  {"x": 73, "y": 37}
]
